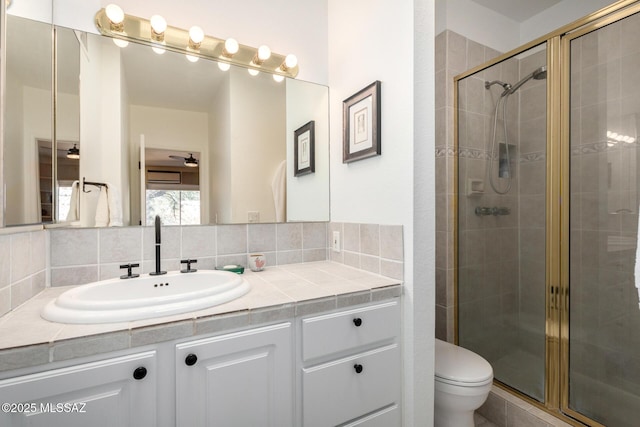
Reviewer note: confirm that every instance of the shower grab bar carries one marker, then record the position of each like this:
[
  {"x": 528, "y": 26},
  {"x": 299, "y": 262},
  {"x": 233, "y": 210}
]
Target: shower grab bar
[{"x": 495, "y": 211}]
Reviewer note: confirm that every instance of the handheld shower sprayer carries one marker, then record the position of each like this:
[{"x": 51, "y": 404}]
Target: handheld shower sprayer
[{"x": 539, "y": 73}]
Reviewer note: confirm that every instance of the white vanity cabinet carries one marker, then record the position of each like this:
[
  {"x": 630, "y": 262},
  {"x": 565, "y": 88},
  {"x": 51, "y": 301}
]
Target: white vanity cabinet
[
  {"x": 350, "y": 367},
  {"x": 114, "y": 392},
  {"x": 239, "y": 379}
]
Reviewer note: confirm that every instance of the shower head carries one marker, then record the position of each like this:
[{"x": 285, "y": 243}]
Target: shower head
[{"x": 539, "y": 73}]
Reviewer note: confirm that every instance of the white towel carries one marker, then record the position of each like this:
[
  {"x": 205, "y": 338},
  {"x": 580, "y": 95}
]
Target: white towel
[
  {"x": 102, "y": 209},
  {"x": 74, "y": 204},
  {"x": 115, "y": 206},
  {"x": 279, "y": 189},
  {"x": 109, "y": 209}
]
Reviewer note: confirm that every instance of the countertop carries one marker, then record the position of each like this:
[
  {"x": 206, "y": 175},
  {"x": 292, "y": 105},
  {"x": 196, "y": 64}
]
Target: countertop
[{"x": 277, "y": 293}]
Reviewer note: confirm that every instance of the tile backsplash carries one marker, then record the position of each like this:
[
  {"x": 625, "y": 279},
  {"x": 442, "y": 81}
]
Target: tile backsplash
[
  {"x": 85, "y": 255},
  {"x": 73, "y": 256},
  {"x": 375, "y": 248},
  {"x": 23, "y": 268}
]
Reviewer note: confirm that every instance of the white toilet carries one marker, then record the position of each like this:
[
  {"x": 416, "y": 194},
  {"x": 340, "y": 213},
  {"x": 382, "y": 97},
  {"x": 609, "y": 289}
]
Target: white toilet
[{"x": 462, "y": 383}]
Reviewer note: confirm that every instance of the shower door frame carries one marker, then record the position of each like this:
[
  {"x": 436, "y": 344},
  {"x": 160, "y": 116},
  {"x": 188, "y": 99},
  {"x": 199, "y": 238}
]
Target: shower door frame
[{"x": 557, "y": 197}]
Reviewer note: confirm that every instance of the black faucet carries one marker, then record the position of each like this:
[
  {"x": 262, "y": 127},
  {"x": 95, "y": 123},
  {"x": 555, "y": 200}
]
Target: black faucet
[{"x": 158, "y": 270}]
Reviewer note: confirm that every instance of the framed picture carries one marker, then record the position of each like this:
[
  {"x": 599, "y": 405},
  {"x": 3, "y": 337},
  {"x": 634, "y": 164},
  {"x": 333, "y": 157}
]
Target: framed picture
[
  {"x": 361, "y": 124},
  {"x": 304, "y": 150}
]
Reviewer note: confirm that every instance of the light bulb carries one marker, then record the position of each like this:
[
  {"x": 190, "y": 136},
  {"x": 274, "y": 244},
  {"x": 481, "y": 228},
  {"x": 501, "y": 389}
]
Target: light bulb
[
  {"x": 114, "y": 13},
  {"x": 158, "y": 50},
  {"x": 290, "y": 61},
  {"x": 278, "y": 77},
  {"x": 231, "y": 46},
  {"x": 158, "y": 24},
  {"x": 264, "y": 53},
  {"x": 192, "y": 58},
  {"x": 224, "y": 66},
  {"x": 253, "y": 72},
  {"x": 196, "y": 34},
  {"x": 120, "y": 43}
]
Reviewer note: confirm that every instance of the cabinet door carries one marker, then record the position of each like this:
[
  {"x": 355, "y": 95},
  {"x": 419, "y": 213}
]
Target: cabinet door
[
  {"x": 236, "y": 380},
  {"x": 98, "y": 394}
]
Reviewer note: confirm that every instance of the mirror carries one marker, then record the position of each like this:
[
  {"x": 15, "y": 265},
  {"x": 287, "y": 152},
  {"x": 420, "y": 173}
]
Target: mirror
[
  {"x": 28, "y": 125},
  {"x": 132, "y": 99},
  {"x": 37, "y": 172}
]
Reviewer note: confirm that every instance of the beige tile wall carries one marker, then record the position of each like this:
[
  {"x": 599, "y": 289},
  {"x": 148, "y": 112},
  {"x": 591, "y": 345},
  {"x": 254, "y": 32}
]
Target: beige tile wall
[
  {"x": 371, "y": 247},
  {"x": 23, "y": 269}
]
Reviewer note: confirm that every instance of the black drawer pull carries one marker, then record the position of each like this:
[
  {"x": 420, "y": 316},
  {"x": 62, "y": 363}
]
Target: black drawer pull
[
  {"x": 191, "y": 359},
  {"x": 357, "y": 321},
  {"x": 140, "y": 373},
  {"x": 358, "y": 368}
]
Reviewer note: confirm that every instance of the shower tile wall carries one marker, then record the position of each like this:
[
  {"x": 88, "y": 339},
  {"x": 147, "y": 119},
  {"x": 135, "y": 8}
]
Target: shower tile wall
[
  {"x": 604, "y": 311},
  {"x": 501, "y": 258},
  {"x": 454, "y": 55}
]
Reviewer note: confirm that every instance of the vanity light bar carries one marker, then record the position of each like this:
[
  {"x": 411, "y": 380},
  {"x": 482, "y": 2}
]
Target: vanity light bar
[{"x": 178, "y": 40}]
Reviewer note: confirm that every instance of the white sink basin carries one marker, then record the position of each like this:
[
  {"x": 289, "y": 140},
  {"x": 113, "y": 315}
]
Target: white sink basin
[{"x": 145, "y": 297}]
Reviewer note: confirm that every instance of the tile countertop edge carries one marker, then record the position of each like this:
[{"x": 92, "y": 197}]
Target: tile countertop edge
[{"x": 69, "y": 341}]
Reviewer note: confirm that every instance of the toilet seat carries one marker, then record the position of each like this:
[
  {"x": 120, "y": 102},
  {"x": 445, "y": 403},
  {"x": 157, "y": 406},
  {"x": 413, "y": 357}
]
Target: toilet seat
[{"x": 460, "y": 367}]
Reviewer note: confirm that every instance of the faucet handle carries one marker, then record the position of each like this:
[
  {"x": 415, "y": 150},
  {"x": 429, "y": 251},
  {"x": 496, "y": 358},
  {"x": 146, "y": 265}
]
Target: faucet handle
[
  {"x": 188, "y": 262},
  {"x": 129, "y": 274}
]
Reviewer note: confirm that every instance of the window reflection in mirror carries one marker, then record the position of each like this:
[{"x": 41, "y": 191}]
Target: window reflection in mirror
[{"x": 172, "y": 186}]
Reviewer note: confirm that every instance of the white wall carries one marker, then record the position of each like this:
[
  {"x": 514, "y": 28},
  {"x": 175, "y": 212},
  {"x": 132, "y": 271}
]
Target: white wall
[
  {"x": 38, "y": 10},
  {"x": 258, "y": 114},
  {"x": 478, "y": 23},
  {"x": 308, "y": 195},
  {"x": 492, "y": 29},
  {"x": 376, "y": 40},
  {"x": 13, "y": 152},
  {"x": 100, "y": 127},
  {"x": 557, "y": 16},
  {"x": 220, "y": 154}
]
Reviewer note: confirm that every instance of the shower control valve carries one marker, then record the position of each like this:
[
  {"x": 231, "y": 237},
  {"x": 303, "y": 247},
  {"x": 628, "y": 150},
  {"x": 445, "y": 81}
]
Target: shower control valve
[{"x": 495, "y": 211}]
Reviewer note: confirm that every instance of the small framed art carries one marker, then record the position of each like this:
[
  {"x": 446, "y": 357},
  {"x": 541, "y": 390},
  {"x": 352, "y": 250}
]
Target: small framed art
[
  {"x": 361, "y": 124},
  {"x": 304, "y": 150}
]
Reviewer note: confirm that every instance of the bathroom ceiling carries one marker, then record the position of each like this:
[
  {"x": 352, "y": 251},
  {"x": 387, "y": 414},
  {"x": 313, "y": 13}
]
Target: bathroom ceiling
[{"x": 518, "y": 10}]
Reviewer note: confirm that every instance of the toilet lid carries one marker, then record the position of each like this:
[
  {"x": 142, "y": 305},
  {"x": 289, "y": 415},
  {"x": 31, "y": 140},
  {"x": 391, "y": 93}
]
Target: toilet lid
[{"x": 459, "y": 365}]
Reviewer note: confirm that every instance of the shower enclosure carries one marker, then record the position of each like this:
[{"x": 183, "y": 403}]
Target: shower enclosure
[{"x": 547, "y": 270}]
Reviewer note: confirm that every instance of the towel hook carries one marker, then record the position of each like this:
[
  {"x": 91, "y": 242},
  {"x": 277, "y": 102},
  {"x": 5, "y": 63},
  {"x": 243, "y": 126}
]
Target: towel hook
[{"x": 95, "y": 184}]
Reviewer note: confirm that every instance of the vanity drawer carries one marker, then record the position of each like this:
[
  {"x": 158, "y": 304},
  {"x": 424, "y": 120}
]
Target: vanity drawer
[
  {"x": 388, "y": 417},
  {"x": 332, "y": 333},
  {"x": 335, "y": 392}
]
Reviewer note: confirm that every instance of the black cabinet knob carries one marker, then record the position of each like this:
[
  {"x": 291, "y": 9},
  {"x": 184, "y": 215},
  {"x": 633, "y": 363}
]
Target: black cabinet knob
[
  {"x": 191, "y": 359},
  {"x": 358, "y": 368},
  {"x": 140, "y": 373},
  {"x": 357, "y": 321}
]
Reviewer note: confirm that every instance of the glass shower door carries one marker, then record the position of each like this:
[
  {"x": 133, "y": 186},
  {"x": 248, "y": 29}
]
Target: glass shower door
[
  {"x": 502, "y": 126},
  {"x": 604, "y": 315}
]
